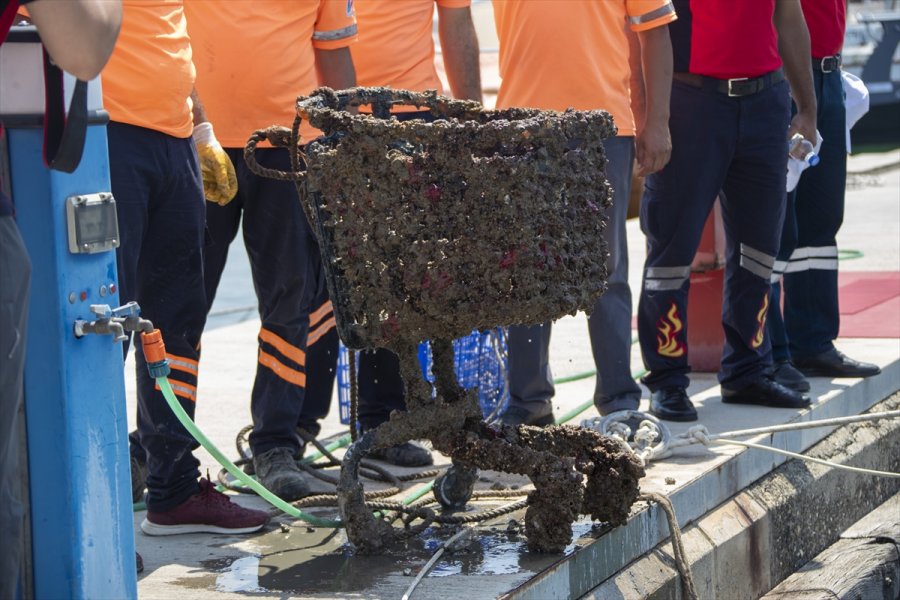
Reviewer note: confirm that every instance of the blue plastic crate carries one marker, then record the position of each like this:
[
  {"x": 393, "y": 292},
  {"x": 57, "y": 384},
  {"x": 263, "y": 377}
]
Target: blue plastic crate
[{"x": 480, "y": 362}]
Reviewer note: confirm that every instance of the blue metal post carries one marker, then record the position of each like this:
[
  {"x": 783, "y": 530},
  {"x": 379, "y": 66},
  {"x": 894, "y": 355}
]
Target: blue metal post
[{"x": 82, "y": 526}]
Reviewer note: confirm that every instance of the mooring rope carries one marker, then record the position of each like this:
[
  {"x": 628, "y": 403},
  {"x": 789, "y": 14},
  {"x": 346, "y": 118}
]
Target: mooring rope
[
  {"x": 375, "y": 499},
  {"x": 681, "y": 561},
  {"x": 653, "y": 440},
  {"x": 812, "y": 459}
]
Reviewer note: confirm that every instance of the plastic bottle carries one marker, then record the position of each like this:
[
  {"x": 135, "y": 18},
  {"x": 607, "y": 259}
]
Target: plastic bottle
[{"x": 803, "y": 150}]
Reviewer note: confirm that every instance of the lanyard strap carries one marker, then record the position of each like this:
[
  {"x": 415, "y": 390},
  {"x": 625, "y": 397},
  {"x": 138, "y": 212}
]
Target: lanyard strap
[{"x": 64, "y": 135}]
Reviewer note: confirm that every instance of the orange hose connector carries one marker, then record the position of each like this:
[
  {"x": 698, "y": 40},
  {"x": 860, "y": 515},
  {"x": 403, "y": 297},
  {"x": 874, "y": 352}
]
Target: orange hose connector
[{"x": 155, "y": 353}]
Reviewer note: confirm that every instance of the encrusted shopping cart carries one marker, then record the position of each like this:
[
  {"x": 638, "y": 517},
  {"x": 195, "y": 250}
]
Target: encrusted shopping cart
[{"x": 430, "y": 228}]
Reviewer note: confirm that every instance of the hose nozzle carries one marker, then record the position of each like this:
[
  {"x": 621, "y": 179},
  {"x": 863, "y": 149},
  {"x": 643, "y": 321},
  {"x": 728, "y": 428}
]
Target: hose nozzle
[{"x": 155, "y": 353}]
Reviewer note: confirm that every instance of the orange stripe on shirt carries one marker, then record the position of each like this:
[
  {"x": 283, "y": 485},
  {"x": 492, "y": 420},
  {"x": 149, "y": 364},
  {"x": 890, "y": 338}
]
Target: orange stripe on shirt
[
  {"x": 320, "y": 313},
  {"x": 285, "y": 372},
  {"x": 319, "y": 332},
  {"x": 292, "y": 352}
]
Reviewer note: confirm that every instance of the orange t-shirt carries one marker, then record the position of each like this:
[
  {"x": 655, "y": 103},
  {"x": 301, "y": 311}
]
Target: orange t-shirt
[
  {"x": 254, "y": 57},
  {"x": 149, "y": 77},
  {"x": 558, "y": 54},
  {"x": 396, "y": 47}
]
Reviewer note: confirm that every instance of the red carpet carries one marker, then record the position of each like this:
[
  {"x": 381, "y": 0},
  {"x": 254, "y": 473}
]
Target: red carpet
[{"x": 870, "y": 304}]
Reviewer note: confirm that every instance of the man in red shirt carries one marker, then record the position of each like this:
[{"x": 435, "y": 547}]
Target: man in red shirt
[
  {"x": 808, "y": 257},
  {"x": 730, "y": 124}
]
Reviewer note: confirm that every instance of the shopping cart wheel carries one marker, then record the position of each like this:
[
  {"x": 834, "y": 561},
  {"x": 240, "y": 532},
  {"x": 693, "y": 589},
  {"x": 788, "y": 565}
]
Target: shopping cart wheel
[{"x": 454, "y": 488}]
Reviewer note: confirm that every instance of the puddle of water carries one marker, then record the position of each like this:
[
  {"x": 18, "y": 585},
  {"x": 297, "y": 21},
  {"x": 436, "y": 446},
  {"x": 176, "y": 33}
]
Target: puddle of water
[
  {"x": 503, "y": 554},
  {"x": 240, "y": 576},
  {"x": 319, "y": 561},
  {"x": 492, "y": 554}
]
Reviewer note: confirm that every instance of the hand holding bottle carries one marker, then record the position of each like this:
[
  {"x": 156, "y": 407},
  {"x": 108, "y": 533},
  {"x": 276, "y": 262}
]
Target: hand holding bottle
[{"x": 803, "y": 150}]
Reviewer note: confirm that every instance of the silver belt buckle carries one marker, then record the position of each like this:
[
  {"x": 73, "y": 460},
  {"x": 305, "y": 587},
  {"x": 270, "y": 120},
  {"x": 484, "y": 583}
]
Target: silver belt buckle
[
  {"x": 731, "y": 93},
  {"x": 837, "y": 63}
]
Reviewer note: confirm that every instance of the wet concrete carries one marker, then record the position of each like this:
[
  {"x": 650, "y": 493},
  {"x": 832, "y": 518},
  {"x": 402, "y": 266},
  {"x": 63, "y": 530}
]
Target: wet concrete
[
  {"x": 310, "y": 562},
  {"x": 696, "y": 484}
]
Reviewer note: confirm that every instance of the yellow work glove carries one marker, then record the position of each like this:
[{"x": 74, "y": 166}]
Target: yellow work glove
[{"x": 219, "y": 181}]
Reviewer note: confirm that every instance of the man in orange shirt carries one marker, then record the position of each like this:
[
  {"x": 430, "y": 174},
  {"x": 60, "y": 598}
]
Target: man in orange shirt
[
  {"x": 156, "y": 180},
  {"x": 253, "y": 58},
  {"x": 575, "y": 53},
  {"x": 396, "y": 49}
]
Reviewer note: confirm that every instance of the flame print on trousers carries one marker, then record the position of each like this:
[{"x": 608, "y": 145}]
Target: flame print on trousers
[
  {"x": 757, "y": 340},
  {"x": 669, "y": 327}
]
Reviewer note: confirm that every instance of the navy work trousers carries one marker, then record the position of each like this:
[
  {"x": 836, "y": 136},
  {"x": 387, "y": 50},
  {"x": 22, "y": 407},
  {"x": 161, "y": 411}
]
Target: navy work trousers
[
  {"x": 161, "y": 212},
  {"x": 808, "y": 254},
  {"x": 293, "y": 301},
  {"x": 609, "y": 326},
  {"x": 737, "y": 145},
  {"x": 15, "y": 284}
]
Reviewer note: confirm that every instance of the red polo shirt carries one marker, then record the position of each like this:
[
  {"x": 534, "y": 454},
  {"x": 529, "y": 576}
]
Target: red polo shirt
[
  {"x": 827, "y": 22},
  {"x": 725, "y": 39}
]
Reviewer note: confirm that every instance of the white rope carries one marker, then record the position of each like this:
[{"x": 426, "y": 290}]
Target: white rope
[
  {"x": 819, "y": 461},
  {"x": 651, "y": 430},
  {"x": 809, "y": 424},
  {"x": 651, "y": 439}
]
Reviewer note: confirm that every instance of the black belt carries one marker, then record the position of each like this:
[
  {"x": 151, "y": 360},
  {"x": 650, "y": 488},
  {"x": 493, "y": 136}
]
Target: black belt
[
  {"x": 741, "y": 86},
  {"x": 827, "y": 64}
]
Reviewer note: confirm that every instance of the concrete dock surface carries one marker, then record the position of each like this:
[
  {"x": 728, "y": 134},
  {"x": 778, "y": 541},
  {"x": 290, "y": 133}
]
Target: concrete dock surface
[{"x": 289, "y": 559}]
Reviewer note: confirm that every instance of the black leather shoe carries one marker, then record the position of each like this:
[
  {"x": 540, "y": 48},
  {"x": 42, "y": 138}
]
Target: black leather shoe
[
  {"x": 407, "y": 454},
  {"x": 765, "y": 391},
  {"x": 516, "y": 415},
  {"x": 785, "y": 374},
  {"x": 834, "y": 363},
  {"x": 672, "y": 404}
]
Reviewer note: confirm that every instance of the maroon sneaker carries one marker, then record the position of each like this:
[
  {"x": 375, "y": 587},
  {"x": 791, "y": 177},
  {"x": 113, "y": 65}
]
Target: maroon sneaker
[{"x": 207, "y": 511}]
